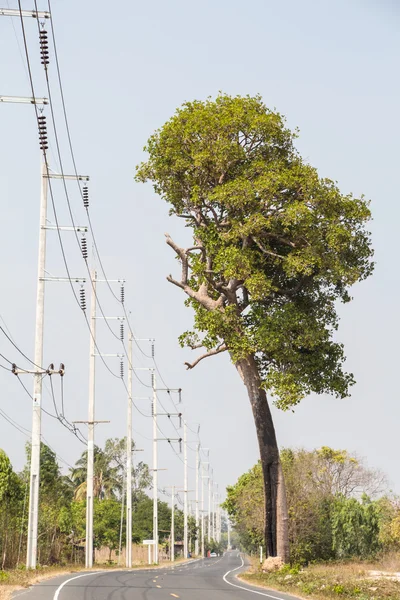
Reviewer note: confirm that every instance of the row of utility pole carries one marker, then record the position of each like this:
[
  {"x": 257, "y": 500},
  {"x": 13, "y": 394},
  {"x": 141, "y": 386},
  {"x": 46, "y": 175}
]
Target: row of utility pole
[{"x": 202, "y": 473}]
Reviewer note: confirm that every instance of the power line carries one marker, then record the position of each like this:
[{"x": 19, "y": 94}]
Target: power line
[
  {"x": 19, "y": 350},
  {"x": 50, "y": 187},
  {"x": 72, "y": 150}
]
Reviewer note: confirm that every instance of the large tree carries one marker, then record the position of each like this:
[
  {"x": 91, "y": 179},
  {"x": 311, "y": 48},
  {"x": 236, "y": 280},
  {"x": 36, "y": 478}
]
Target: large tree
[{"x": 274, "y": 248}]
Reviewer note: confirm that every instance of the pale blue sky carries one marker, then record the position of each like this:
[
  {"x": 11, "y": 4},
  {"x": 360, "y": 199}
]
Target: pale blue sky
[{"x": 332, "y": 69}]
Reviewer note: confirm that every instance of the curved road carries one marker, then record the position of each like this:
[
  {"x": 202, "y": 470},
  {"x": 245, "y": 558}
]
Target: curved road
[{"x": 208, "y": 579}]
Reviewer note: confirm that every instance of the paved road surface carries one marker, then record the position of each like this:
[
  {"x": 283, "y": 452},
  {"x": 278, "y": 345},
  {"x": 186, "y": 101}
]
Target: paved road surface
[{"x": 208, "y": 579}]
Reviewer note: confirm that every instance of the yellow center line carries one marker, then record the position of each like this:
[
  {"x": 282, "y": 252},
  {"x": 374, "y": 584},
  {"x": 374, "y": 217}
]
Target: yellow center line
[
  {"x": 154, "y": 581},
  {"x": 158, "y": 586},
  {"x": 174, "y": 595}
]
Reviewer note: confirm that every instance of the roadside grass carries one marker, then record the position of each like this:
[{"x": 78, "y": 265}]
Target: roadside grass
[{"x": 347, "y": 580}]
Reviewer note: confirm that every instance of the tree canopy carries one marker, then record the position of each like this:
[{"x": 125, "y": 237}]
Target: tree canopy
[{"x": 274, "y": 247}]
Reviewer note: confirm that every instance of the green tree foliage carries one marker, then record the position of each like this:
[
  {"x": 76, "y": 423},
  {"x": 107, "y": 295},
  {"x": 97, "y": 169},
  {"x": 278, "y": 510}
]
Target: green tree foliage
[
  {"x": 275, "y": 245},
  {"x": 355, "y": 527},
  {"x": 62, "y": 505},
  {"x": 330, "y": 515},
  {"x": 109, "y": 471},
  {"x": 106, "y": 524},
  {"x": 11, "y": 494},
  {"x": 245, "y": 508}
]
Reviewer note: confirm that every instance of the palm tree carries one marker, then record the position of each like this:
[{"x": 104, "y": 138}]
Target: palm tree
[{"x": 107, "y": 478}]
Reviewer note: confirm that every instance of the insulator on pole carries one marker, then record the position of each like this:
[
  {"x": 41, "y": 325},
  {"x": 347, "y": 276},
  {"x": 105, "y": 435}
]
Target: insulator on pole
[
  {"x": 180, "y": 420},
  {"x": 84, "y": 248},
  {"x": 180, "y": 446},
  {"x": 122, "y": 368},
  {"x": 122, "y": 294},
  {"x": 180, "y": 395},
  {"x": 82, "y": 298},
  {"x": 85, "y": 196},
  {"x": 152, "y": 408},
  {"x": 42, "y": 132},
  {"x": 152, "y": 350},
  {"x": 153, "y": 381},
  {"x": 44, "y": 47},
  {"x": 122, "y": 331}
]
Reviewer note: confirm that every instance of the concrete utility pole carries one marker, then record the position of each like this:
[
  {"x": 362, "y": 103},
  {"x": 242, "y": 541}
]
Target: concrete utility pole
[
  {"x": 209, "y": 504},
  {"x": 33, "y": 514},
  {"x": 196, "y": 545},
  {"x": 91, "y": 422},
  {"x": 172, "y": 543},
  {"x": 202, "y": 511},
  {"x": 213, "y": 512},
  {"x": 90, "y": 445},
  {"x": 185, "y": 492},
  {"x": 129, "y": 461},
  {"x": 155, "y": 473}
]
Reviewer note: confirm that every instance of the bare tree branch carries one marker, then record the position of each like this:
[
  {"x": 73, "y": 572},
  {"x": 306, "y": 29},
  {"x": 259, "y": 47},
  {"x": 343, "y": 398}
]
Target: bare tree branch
[
  {"x": 201, "y": 295},
  {"x": 265, "y": 251},
  {"x": 218, "y": 350}
]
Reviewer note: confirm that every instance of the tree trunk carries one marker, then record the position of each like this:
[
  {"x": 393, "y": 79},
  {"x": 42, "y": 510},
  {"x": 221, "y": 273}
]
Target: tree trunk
[{"x": 276, "y": 514}]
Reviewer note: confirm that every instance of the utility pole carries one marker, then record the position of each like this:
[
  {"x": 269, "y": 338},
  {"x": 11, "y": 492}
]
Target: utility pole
[
  {"x": 213, "y": 512},
  {"x": 91, "y": 414},
  {"x": 185, "y": 492},
  {"x": 203, "y": 533},
  {"x": 155, "y": 473},
  {"x": 129, "y": 461},
  {"x": 202, "y": 511},
  {"x": 209, "y": 505},
  {"x": 33, "y": 515},
  {"x": 172, "y": 542},
  {"x": 90, "y": 446},
  {"x": 37, "y": 382},
  {"x": 196, "y": 545}
]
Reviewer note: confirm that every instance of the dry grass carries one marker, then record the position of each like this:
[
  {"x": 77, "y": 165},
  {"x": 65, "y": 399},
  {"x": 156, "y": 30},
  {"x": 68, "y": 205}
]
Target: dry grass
[{"x": 334, "y": 580}]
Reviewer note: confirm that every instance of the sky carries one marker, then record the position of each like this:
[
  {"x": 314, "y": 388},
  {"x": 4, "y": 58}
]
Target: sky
[{"x": 332, "y": 70}]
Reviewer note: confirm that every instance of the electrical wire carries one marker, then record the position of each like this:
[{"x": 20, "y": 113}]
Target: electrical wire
[
  {"x": 69, "y": 426},
  {"x": 23, "y": 430},
  {"x": 72, "y": 150},
  {"x": 73, "y": 222},
  {"x": 19, "y": 350},
  {"x": 51, "y": 192},
  {"x": 80, "y": 190}
]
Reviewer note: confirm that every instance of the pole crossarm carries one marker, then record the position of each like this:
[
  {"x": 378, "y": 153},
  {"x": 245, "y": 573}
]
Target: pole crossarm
[
  {"x": 13, "y": 12},
  {"x": 79, "y": 228},
  {"x": 52, "y": 371},
  {"x": 115, "y": 355},
  {"x": 170, "y": 414},
  {"x": 91, "y": 422},
  {"x": 68, "y": 177},
  {"x": 111, "y": 318},
  {"x": 23, "y": 99},
  {"x": 111, "y": 280},
  {"x": 64, "y": 279}
]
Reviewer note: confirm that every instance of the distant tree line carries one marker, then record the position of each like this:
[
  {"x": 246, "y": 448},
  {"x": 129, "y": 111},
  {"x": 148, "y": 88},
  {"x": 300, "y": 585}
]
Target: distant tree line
[
  {"x": 338, "y": 508},
  {"x": 61, "y": 535}
]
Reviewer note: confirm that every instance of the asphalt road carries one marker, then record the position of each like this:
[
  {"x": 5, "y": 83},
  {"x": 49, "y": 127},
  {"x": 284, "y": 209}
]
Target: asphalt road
[{"x": 208, "y": 579}]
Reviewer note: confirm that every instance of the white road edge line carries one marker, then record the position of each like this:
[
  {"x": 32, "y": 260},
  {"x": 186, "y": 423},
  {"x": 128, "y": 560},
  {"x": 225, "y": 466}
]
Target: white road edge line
[
  {"x": 241, "y": 587},
  {"x": 58, "y": 590}
]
